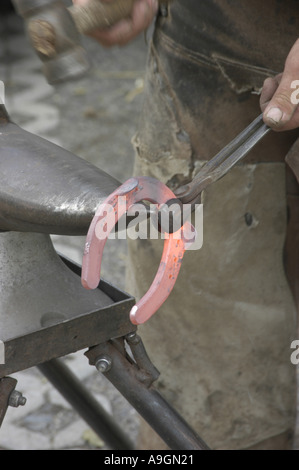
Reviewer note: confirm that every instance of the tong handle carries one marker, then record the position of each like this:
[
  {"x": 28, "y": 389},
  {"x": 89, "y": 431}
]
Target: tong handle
[{"x": 224, "y": 160}]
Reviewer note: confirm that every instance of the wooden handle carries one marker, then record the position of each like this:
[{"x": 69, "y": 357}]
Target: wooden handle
[{"x": 96, "y": 14}]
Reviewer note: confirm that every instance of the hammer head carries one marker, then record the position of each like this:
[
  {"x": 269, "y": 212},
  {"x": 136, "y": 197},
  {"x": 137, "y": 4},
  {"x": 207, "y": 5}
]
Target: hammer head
[{"x": 54, "y": 37}]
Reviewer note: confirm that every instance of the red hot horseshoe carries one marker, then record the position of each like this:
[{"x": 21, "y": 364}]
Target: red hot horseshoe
[{"x": 108, "y": 213}]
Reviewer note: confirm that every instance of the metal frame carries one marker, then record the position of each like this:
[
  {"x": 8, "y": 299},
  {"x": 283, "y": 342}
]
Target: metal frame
[
  {"x": 108, "y": 334},
  {"x": 74, "y": 334},
  {"x": 134, "y": 379}
]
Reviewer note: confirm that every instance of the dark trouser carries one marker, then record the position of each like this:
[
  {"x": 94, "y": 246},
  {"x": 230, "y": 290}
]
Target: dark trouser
[{"x": 222, "y": 340}]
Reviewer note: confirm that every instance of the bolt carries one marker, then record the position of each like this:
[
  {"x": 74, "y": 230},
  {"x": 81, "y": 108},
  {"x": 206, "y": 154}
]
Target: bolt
[
  {"x": 133, "y": 338},
  {"x": 16, "y": 399},
  {"x": 103, "y": 364}
]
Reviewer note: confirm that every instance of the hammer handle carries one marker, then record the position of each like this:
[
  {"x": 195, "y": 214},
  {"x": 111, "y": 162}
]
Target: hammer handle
[{"x": 100, "y": 15}]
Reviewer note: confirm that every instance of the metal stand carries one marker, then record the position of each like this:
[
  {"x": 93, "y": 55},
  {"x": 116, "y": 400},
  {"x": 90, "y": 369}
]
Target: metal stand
[
  {"x": 45, "y": 314},
  {"x": 134, "y": 379},
  {"x": 85, "y": 404}
]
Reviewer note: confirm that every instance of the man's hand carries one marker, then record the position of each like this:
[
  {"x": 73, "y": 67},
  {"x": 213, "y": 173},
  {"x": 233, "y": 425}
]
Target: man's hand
[
  {"x": 280, "y": 95},
  {"x": 127, "y": 29}
]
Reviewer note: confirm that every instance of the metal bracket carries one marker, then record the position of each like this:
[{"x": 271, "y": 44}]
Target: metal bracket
[
  {"x": 133, "y": 374},
  {"x": 7, "y": 386}
]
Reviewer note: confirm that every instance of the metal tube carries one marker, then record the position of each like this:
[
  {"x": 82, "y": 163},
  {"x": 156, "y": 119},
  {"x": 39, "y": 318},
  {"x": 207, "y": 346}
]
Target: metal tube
[
  {"x": 158, "y": 413},
  {"x": 85, "y": 404}
]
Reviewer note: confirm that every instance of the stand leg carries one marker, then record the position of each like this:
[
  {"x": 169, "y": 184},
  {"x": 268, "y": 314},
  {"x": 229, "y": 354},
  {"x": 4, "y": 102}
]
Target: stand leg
[
  {"x": 7, "y": 385},
  {"x": 135, "y": 384},
  {"x": 85, "y": 404}
]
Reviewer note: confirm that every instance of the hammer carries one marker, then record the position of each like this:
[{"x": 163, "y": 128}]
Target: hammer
[{"x": 54, "y": 32}]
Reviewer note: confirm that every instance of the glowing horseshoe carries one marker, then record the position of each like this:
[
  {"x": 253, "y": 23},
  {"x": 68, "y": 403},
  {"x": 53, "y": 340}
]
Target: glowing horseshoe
[{"x": 107, "y": 215}]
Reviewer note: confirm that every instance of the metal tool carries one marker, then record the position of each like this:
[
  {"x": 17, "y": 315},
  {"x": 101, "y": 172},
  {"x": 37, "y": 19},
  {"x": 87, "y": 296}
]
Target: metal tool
[
  {"x": 44, "y": 188},
  {"x": 106, "y": 217},
  {"x": 139, "y": 189},
  {"x": 224, "y": 161},
  {"x": 54, "y": 32}
]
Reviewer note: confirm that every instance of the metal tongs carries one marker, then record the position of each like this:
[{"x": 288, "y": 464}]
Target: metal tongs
[
  {"x": 224, "y": 161},
  {"x": 140, "y": 189}
]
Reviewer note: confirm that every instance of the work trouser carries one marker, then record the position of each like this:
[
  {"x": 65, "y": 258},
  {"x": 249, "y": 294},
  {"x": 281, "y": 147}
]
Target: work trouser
[{"x": 222, "y": 340}]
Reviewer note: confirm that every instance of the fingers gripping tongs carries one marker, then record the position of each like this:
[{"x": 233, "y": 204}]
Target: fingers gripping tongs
[{"x": 144, "y": 188}]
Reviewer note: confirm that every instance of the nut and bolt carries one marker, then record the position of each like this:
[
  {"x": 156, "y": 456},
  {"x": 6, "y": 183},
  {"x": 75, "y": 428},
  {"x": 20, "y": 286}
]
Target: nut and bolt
[
  {"x": 103, "y": 364},
  {"x": 16, "y": 399}
]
